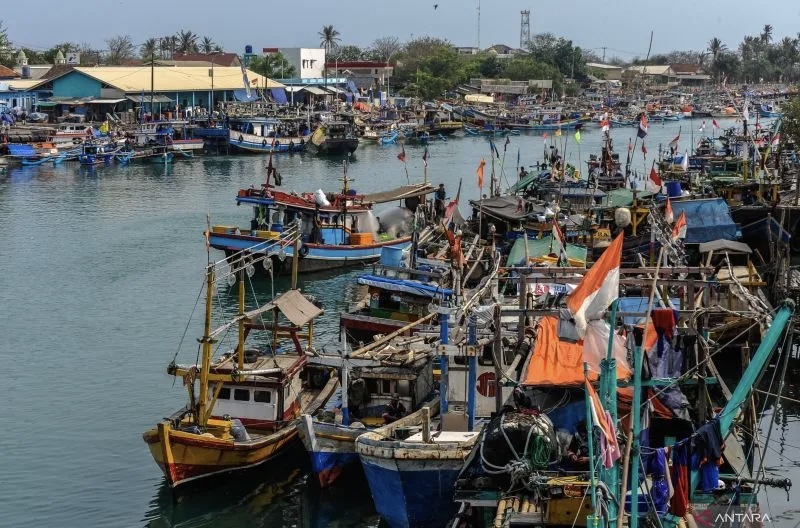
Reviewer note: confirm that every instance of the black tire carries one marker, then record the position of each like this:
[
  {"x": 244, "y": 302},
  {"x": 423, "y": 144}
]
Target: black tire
[
  {"x": 303, "y": 251},
  {"x": 264, "y": 143},
  {"x": 241, "y": 138}
]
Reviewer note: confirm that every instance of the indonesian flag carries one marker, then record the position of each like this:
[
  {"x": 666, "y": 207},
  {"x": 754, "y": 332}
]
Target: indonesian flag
[
  {"x": 668, "y": 214},
  {"x": 558, "y": 237},
  {"x": 776, "y": 139},
  {"x": 675, "y": 141},
  {"x": 679, "y": 229},
  {"x": 714, "y": 123},
  {"x": 644, "y": 150},
  {"x": 642, "y": 133},
  {"x": 402, "y": 155},
  {"x": 605, "y": 125},
  {"x": 653, "y": 183},
  {"x": 480, "y": 173},
  {"x": 598, "y": 288},
  {"x": 601, "y": 418}
]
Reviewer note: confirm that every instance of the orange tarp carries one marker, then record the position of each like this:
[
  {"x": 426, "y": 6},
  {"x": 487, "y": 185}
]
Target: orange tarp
[{"x": 556, "y": 362}]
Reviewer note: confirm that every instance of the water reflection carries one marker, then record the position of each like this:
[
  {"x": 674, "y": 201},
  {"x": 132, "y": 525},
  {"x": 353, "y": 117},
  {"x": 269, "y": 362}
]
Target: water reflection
[{"x": 277, "y": 494}]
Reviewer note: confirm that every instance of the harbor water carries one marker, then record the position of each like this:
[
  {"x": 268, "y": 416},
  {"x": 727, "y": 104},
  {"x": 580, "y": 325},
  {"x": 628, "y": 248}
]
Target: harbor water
[{"x": 100, "y": 271}]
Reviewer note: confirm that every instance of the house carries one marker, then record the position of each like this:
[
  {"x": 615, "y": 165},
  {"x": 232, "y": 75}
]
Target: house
[
  {"x": 503, "y": 52},
  {"x": 309, "y": 63},
  {"x": 607, "y": 72},
  {"x": 690, "y": 74},
  {"x": 467, "y": 50},
  {"x": 7, "y": 73},
  {"x": 651, "y": 74},
  {"x": 101, "y": 89}
]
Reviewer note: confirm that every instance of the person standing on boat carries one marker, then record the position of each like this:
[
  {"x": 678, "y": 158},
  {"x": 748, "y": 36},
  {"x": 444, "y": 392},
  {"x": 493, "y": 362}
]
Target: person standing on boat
[
  {"x": 394, "y": 410},
  {"x": 438, "y": 204},
  {"x": 522, "y": 172}
]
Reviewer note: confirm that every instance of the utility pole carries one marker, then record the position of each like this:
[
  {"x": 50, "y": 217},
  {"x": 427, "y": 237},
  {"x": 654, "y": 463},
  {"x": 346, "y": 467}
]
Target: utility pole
[{"x": 604, "y": 54}]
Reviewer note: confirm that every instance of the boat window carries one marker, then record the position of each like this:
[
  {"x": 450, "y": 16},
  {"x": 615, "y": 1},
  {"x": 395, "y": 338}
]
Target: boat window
[
  {"x": 241, "y": 394},
  {"x": 387, "y": 387},
  {"x": 224, "y": 394},
  {"x": 287, "y": 392},
  {"x": 262, "y": 396}
]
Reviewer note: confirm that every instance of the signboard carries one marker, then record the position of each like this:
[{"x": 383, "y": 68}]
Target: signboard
[{"x": 73, "y": 58}]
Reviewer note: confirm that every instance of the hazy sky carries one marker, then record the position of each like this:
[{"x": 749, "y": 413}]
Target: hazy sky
[{"x": 623, "y": 26}]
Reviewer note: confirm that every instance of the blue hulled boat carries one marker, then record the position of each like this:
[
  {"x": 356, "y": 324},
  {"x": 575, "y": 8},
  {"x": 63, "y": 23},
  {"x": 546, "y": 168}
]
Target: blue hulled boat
[{"x": 264, "y": 135}]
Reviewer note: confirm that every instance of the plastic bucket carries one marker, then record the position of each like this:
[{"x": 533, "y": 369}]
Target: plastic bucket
[
  {"x": 674, "y": 189},
  {"x": 392, "y": 257}
]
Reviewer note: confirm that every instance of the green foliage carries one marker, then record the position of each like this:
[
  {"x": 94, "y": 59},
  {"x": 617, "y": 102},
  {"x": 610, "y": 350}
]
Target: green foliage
[
  {"x": 329, "y": 38},
  {"x": 6, "y": 51},
  {"x": 558, "y": 52},
  {"x": 274, "y": 66},
  {"x": 790, "y": 124},
  {"x": 346, "y": 53}
]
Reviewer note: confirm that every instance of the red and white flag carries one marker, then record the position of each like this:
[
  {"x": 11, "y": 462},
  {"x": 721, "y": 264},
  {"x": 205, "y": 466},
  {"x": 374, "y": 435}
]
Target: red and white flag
[
  {"x": 653, "y": 183},
  {"x": 605, "y": 125},
  {"x": 776, "y": 139},
  {"x": 669, "y": 216},
  {"x": 598, "y": 288},
  {"x": 644, "y": 151},
  {"x": 714, "y": 123},
  {"x": 679, "y": 229},
  {"x": 675, "y": 141},
  {"x": 558, "y": 237}
]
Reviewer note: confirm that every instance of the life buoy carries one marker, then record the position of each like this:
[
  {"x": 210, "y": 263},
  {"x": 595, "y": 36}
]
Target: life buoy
[
  {"x": 241, "y": 138},
  {"x": 303, "y": 251},
  {"x": 264, "y": 143}
]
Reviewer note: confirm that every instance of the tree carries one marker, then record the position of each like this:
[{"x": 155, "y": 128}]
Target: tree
[
  {"x": 89, "y": 54},
  {"x": 766, "y": 34},
  {"x": 329, "y": 39},
  {"x": 6, "y": 53},
  {"x": 150, "y": 49},
  {"x": 790, "y": 124},
  {"x": 383, "y": 48},
  {"x": 207, "y": 45},
  {"x": 120, "y": 49},
  {"x": 273, "y": 65},
  {"x": 346, "y": 53},
  {"x": 559, "y": 52},
  {"x": 169, "y": 45},
  {"x": 715, "y": 47},
  {"x": 187, "y": 42}
]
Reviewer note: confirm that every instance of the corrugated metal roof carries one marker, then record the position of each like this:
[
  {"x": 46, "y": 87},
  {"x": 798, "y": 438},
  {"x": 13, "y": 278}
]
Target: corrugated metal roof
[
  {"x": 174, "y": 79},
  {"x": 23, "y": 84}
]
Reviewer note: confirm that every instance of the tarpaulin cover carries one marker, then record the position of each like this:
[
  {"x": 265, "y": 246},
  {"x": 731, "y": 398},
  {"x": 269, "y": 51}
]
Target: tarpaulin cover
[
  {"x": 706, "y": 220},
  {"x": 241, "y": 96},
  {"x": 539, "y": 247},
  {"x": 557, "y": 362},
  {"x": 279, "y": 94}
]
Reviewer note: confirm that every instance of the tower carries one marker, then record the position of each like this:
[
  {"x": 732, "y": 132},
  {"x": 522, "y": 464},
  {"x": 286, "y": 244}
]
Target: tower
[{"x": 525, "y": 29}]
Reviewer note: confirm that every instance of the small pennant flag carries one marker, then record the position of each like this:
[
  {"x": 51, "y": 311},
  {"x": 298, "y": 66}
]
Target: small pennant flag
[
  {"x": 642, "y": 133},
  {"x": 679, "y": 229},
  {"x": 402, "y": 155},
  {"x": 644, "y": 150},
  {"x": 605, "y": 125},
  {"x": 558, "y": 131},
  {"x": 508, "y": 141},
  {"x": 776, "y": 139},
  {"x": 493, "y": 148},
  {"x": 480, "y": 173},
  {"x": 669, "y": 216},
  {"x": 714, "y": 123},
  {"x": 702, "y": 126},
  {"x": 558, "y": 236},
  {"x": 425, "y": 157},
  {"x": 544, "y": 136},
  {"x": 674, "y": 142},
  {"x": 246, "y": 81},
  {"x": 630, "y": 146},
  {"x": 577, "y": 136}
]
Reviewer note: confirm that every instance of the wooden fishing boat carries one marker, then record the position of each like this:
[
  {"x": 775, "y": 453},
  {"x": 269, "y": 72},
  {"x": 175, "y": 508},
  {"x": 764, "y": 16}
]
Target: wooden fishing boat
[
  {"x": 333, "y": 138},
  {"x": 337, "y": 230},
  {"x": 262, "y": 135},
  {"x": 243, "y": 413}
]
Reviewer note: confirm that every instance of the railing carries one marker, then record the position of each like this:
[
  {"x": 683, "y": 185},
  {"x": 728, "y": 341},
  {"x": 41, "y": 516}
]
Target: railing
[{"x": 262, "y": 252}]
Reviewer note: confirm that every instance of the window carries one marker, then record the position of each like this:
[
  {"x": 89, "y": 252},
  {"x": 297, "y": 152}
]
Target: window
[
  {"x": 224, "y": 394},
  {"x": 241, "y": 394},
  {"x": 387, "y": 387},
  {"x": 262, "y": 396}
]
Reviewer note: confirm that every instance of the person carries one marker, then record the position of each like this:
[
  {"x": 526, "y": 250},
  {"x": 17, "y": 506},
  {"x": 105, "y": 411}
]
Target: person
[
  {"x": 438, "y": 204},
  {"x": 578, "y": 450},
  {"x": 394, "y": 410},
  {"x": 522, "y": 172}
]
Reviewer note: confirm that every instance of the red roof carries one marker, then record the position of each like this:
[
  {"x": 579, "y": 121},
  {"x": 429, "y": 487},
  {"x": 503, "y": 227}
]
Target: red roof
[
  {"x": 221, "y": 59},
  {"x": 7, "y": 73}
]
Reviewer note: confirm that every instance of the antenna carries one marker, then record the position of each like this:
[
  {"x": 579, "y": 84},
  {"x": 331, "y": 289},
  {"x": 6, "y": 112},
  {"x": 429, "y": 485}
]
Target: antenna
[{"x": 525, "y": 29}]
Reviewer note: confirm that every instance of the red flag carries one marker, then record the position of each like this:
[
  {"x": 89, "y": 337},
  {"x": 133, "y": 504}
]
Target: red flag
[
  {"x": 544, "y": 135},
  {"x": 653, "y": 183},
  {"x": 714, "y": 123},
  {"x": 644, "y": 150},
  {"x": 679, "y": 229},
  {"x": 668, "y": 215},
  {"x": 675, "y": 140},
  {"x": 480, "y": 173},
  {"x": 630, "y": 145},
  {"x": 402, "y": 155},
  {"x": 425, "y": 157}
]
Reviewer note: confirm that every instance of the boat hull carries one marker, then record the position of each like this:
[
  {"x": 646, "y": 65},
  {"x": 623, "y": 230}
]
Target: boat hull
[
  {"x": 186, "y": 457},
  {"x": 313, "y": 257},
  {"x": 253, "y": 144},
  {"x": 334, "y": 146},
  {"x": 331, "y": 448}
]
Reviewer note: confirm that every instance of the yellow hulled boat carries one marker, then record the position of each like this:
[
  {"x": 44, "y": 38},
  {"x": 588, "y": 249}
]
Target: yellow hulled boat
[{"x": 243, "y": 404}]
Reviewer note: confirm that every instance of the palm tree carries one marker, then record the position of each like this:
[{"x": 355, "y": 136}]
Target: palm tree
[
  {"x": 766, "y": 34},
  {"x": 207, "y": 45},
  {"x": 187, "y": 41},
  {"x": 716, "y": 46},
  {"x": 149, "y": 50},
  {"x": 329, "y": 39},
  {"x": 170, "y": 43}
]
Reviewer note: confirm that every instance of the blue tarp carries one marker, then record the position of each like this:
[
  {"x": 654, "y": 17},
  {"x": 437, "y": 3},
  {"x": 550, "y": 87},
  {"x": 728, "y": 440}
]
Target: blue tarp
[
  {"x": 241, "y": 95},
  {"x": 639, "y": 304},
  {"x": 21, "y": 150},
  {"x": 279, "y": 94},
  {"x": 706, "y": 220}
]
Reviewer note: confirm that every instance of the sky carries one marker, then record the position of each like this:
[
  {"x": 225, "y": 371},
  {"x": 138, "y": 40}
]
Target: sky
[{"x": 622, "y": 26}]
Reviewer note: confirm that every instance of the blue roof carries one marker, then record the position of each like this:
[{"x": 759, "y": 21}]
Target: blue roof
[{"x": 706, "y": 220}]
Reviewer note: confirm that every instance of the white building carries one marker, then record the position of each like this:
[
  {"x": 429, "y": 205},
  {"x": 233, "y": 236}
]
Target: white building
[{"x": 309, "y": 62}]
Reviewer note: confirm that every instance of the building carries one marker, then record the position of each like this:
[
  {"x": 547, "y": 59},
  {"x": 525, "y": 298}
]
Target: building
[
  {"x": 607, "y": 72},
  {"x": 101, "y": 89},
  {"x": 467, "y": 50},
  {"x": 662, "y": 74},
  {"x": 501, "y": 51},
  {"x": 220, "y": 59},
  {"x": 13, "y": 94},
  {"x": 309, "y": 63},
  {"x": 690, "y": 74}
]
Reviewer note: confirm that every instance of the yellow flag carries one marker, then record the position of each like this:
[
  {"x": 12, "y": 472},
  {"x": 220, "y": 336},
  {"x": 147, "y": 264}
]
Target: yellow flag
[
  {"x": 577, "y": 136},
  {"x": 558, "y": 132}
]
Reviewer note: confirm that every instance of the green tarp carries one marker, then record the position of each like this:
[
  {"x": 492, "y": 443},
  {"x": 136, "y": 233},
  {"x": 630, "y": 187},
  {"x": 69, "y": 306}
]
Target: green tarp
[{"x": 540, "y": 247}]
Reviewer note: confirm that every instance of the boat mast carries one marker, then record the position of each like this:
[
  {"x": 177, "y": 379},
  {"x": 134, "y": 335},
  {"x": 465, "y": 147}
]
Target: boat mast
[
  {"x": 345, "y": 190},
  {"x": 206, "y": 341},
  {"x": 240, "y": 346}
]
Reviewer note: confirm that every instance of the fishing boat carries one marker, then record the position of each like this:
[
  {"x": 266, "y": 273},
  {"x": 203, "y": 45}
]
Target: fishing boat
[
  {"x": 266, "y": 135},
  {"x": 768, "y": 110},
  {"x": 333, "y": 138},
  {"x": 370, "y": 377},
  {"x": 243, "y": 403},
  {"x": 97, "y": 153},
  {"x": 337, "y": 229},
  {"x": 69, "y": 134}
]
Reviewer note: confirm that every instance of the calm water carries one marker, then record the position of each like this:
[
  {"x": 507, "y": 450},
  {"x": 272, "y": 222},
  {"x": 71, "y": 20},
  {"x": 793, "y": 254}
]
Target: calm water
[{"x": 100, "y": 271}]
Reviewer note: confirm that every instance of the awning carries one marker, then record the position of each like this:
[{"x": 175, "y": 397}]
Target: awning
[
  {"x": 297, "y": 308},
  {"x": 156, "y": 98},
  {"x": 724, "y": 245},
  {"x": 47, "y": 104},
  {"x": 279, "y": 95},
  {"x": 316, "y": 91},
  {"x": 407, "y": 191},
  {"x": 105, "y": 101},
  {"x": 294, "y": 88},
  {"x": 335, "y": 89}
]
